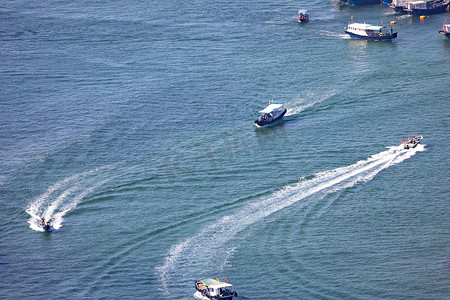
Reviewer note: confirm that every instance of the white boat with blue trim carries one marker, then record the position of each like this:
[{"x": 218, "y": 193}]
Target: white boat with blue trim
[
  {"x": 420, "y": 7},
  {"x": 213, "y": 289},
  {"x": 363, "y": 31},
  {"x": 271, "y": 114}
]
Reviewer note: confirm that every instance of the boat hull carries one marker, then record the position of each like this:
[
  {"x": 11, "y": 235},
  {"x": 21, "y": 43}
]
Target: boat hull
[
  {"x": 413, "y": 145},
  {"x": 199, "y": 295},
  {"x": 303, "y": 20},
  {"x": 399, "y": 9},
  {"x": 435, "y": 9},
  {"x": 384, "y": 37},
  {"x": 430, "y": 11},
  {"x": 271, "y": 122},
  {"x": 47, "y": 228},
  {"x": 446, "y": 34},
  {"x": 361, "y": 2}
]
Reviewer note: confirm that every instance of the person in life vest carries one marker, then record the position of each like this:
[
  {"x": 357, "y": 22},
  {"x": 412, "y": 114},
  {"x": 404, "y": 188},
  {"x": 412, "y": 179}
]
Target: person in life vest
[{"x": 43, "y": 222}]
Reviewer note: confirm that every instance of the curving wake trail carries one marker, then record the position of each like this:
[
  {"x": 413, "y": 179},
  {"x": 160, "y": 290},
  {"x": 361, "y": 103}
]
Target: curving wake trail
[
  {"x": 209, "y": 243},
  {"x": 62, "y": 197},
  {"x": 309, "y": 99}
]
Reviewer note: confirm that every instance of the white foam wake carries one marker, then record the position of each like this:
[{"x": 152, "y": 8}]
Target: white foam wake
[
  {"x": 62, "y": 197},
  {"x": 210, "y": 244},
  {"x": 307, "y": 100}
]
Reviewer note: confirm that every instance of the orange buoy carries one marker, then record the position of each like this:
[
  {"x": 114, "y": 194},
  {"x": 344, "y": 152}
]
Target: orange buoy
[{"x": 422, "y": 17}]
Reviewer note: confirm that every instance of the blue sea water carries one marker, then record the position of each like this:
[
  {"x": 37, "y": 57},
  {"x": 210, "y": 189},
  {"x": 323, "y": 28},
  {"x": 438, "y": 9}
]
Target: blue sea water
[{"x": 130, "y": 126}]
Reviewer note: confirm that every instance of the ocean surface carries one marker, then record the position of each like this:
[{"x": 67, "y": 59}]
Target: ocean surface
[{"x": 129, "y": 124}]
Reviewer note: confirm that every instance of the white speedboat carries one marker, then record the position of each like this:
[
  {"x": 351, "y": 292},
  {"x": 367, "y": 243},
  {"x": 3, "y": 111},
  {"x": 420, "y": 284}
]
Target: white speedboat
[
  {"x": 412, "y": 143},
  {"x": 270, "y": 114},
  {"x": 208, "y": 289}
]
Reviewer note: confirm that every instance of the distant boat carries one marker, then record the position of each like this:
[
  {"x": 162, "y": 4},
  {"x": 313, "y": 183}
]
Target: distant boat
[
  {"x": 363, "y": 31},
  {"x": 361, "y": 2},
  {"x": 445, "y": 30},
  {"x": 303, "y": 16},
  {"x": 214, "y": 289},
  {"x": 420, "y": 7},
  {"x": 48, "y": 227},
  {"x": 387, "y": 2},
  {"x": 270, "y": 114},
  {"x": 412, "y": 143}
]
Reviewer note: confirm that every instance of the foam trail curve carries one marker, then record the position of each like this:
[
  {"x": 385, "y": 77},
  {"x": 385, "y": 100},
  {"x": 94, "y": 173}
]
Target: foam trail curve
[
  {"x": 299, "y": 104},
  {"x": 209, "y": 243},
  {"x": 61, "y": 197}
]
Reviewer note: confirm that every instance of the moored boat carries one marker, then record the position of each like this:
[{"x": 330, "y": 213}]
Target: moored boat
[
  {"x": 413, "y": 142},
  {"x": 420, "y": 7},
  {"x": 361, "y": 2},
  {"x": 445, "y": 30},
  {"x": 363, "y": 31},
  {"x": 303, "y": 16},
  {"x": 214, "y": 289},
  {"x": 271, "y": 114}
]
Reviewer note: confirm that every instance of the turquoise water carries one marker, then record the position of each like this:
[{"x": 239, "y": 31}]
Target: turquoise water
[{"x": 130, "y": 126}]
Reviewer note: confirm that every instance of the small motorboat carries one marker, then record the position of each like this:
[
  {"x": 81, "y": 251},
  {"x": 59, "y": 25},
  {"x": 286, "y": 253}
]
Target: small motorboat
[
  {"x": 413, "y": 142},
  {"x": 303, "y": 16},
  {"x": 209, "y": 288},
  {"x": 270, "y": 114},
  {"x": 47, "y": 226},
  {"x": 363, "y": 31},
  {"x": 445, "y": 30}
]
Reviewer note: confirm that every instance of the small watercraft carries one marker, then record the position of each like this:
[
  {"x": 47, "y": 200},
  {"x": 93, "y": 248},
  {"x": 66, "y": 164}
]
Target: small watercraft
[
  {"x": 445, "y": 30},
  {"x": 209, "y": 288},
  {"x": 270, "y": 114},
  {"x": 303, "y": 16},
  {"x": 413, "y": 142},
  {"x": 47, "y": 226},
  {"x": 363, "y": 31}
]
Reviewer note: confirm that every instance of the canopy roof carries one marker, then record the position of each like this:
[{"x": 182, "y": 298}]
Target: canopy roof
[
  {"x": 303, "y": 11},
  {"x": 271, "y": 108},
  {"x": 365, "y": 26},
  {"x": 213, "y": 283}
]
